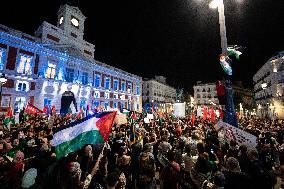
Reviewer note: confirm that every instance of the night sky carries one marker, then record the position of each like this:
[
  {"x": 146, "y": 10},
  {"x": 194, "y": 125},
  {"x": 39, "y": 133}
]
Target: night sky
[{"x": 178, "y": 39}]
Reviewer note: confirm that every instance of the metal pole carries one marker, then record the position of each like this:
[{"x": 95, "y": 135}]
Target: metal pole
[{"x": 230, "y": 113}]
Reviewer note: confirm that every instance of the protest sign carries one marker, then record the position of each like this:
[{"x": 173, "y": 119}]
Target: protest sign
[
  {"x": 179, "y": 109},
  {"x": 230, "y": 132}
]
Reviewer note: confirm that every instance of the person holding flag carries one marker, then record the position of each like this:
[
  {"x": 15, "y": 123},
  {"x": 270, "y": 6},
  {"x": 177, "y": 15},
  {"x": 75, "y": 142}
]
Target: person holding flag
[{"x": 9, "y": 119}]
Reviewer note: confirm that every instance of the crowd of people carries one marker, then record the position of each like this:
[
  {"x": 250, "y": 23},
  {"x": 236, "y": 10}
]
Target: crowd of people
[{"x": 167, "y": 152}]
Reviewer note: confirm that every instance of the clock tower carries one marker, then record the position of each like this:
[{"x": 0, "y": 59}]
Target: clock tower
[{"x": 71, "y": 21}]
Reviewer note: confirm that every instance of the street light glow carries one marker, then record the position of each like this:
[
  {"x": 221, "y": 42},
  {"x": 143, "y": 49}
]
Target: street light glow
[{"x": 214, "y": 4}]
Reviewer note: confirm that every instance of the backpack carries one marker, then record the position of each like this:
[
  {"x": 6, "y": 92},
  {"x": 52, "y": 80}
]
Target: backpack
[{"x": 146, "y": 164}]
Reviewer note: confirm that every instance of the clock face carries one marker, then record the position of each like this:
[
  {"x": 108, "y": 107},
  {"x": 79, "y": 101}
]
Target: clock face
[
  {"x": 61, "y": 20},
  {"x": 74, "y": 22}
]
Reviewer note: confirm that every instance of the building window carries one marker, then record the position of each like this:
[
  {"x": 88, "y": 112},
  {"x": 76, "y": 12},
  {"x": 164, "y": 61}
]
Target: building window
[
  {"x": 2, "y": 58},
  {"x": 138, "y": 90},
  {"x": 137, "y": 107},
  {"x": 115, "y": 85},
  {"x": 106, "y": 105},
  {"x": 97, "y": 94},
  {"x": 98, "y": 81},
  {"x": 51, "y": 70},
  {"x": 106, "y": 95},
  {"x": 25, "y": 64},
  {"x": 197, "y": 90},
  {"x": 198, "y": 96},
  {"x": 47, "y": 101},
  {"x": 84, "y": 78},
  {"x": 107, "y": 83},
  {"x": 129, "y": 88},
  {"x": 123, "y": 86},
  {"x": 208, "y": 90},
  {"x": 69, "y": 75},
  {"x": 20, "y": 102},
  {"x": 203, "y": 90},
  {"x": 115, "y": 96},
  {"x": 96, "y": 104},
  {"x": 82, "y": 104},
  {"x": 121, "y": 105},
  {"x": 115, "y": 105},
  {"x": 22, "y": 86}
]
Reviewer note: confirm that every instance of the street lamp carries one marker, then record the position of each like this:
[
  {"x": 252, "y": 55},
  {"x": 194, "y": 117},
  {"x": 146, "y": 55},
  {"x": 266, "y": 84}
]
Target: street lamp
[
  {"x": 264, "y": 87},
  {"x": 230, "y": 112},
  {"x": 3, "y": 80}
]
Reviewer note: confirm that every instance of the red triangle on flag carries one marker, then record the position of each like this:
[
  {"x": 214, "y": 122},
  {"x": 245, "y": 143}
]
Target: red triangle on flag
[{"x": 104, "y": 124}]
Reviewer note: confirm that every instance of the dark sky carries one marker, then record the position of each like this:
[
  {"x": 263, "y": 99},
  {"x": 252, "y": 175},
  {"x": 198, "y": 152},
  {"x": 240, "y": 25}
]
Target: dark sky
[{"x": 178, "y": 39}]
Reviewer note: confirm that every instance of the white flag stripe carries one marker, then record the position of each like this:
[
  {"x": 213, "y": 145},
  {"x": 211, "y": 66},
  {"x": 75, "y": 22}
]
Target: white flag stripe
[{"x": 71, "y": 132}]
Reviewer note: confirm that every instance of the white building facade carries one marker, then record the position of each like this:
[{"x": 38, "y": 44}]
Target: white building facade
[
  {"x": 157, "y": 92},
  {"x": 57, "y": 59},
  {"x": 205, "y": 94},
  {"x": 269, "y": 88}
]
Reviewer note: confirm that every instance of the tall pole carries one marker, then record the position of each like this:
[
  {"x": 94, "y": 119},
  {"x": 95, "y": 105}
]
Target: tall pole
[
  {"x": 230, "y": 113},
  {"x": 0, "y": 94}
]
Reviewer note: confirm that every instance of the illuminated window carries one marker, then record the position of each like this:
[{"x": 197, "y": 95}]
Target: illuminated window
[
  {"x": 85, "y": 78},
  {"x": 20, "y": 102},
  {"x": 22, "y": 86},
  {"x": 96, "y": 104},
  {"x": 138, "y": 90},
  {"x": 97, "y": 94},
  {"x": 115, "y": 85},
  {"x": 123, "y": 86},
  {"x": 2, "y": 58},
  {"x": 107, "y": 83},
  {"x": 106, "y": 105},
  {"x": 129, "y": 87},
  {"x": 98, "y": 81},
  {"x": 82, "y": 104},
  {"x": 47, "y": 101},
  {"x": 51, "y": 70},
  {"x": 69, "y": 75},
  {"x": 106, "y": 95},
  {"x": 25, "y": 64}
]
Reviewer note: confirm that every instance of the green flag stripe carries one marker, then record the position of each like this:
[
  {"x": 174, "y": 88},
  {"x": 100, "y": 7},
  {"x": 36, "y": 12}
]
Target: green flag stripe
[{"x": 89, "y": 137}]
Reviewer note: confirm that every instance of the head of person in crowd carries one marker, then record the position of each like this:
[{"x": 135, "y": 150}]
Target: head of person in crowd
[
  {"x": 200, "y": 148},
  {"x": 202, "y": 165},
  {"x": 19, "y": 157},
  {"x": 232, "y": 164},
  {"x": 253, "y": 154},
  {"x": 243, "y": 149},
  {"x": 112, "y": 180},
  {"x": 89, "y": 151},
  {"x": 219, "y": 179}
]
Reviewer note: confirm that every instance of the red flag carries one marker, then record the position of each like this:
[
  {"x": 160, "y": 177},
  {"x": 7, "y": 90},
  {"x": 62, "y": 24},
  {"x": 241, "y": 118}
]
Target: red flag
[
  {"x": 204, "y": 112},
  {"x": 193, "y": 118},
  {"x": 105, "y": 123},
  {"x": 53, "y": 109},
  {"x": 80, "y": 114},
  {"x": 221, "y": 113},
  {"x": 9, "y": 113},
  {"x": 134, "y": 117},
  {"x": 212, "y": 114},
  {"x": 31, "y": 109},
  {"x": 45, "y": 109}
]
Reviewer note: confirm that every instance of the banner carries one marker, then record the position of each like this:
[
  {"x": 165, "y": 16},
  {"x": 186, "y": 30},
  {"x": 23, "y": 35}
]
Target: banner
[
  {"x": 229, "y": 132},
  {"x": 179, "y": 109},
  {"x": 120, "y": 119},
  {"x": 150, "y": 116}
]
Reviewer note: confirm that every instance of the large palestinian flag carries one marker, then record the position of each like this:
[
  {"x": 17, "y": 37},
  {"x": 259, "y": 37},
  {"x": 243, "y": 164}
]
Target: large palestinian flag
[{"x": 93, "y": 129}]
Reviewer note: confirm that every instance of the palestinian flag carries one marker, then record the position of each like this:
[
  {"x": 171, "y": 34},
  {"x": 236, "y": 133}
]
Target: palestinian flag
[
  {"x": 9, "y": 118},
  {"x": 235, "y": 51},
  {"x": 93, "y": 129}
]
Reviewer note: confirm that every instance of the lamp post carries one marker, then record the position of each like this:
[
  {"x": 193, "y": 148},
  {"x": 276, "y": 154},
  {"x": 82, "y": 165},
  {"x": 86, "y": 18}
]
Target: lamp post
[
  {"x": 3, "y": 80},
  {"x": 230, "y": 112},
  {"x": 264, "y": 87}
]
